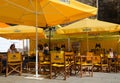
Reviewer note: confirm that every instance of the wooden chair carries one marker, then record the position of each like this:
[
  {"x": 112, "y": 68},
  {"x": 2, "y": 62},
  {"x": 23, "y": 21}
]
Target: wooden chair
[
  {"x": 0, "y": 63},
  {"x": 60, "y": 65},
  {"x": 118, "y": 63},
  {"x": 86, "y": 66},
  {"x": 77, "y": 64},
  {"x": 31, "y": 63},
  {"x": 97, "y": 63},
  {"x": 113, "y": 62},
  {"x": 14, "y": 63},
  {"x": 44, "y": 63},
  {"x": 71, "y": 57},
  {"x": 89, "y": 54},
  {"x": 30, "y": 66},
  {"x": 105, "y": 64}
]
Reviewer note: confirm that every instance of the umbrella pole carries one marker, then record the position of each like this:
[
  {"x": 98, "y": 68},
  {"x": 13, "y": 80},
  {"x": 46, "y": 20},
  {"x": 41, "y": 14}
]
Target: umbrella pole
[
  {"x": 23, "y": 46},
  {"x": 87, "y": 43},
  {"x": 97, "y": 7},
  {"x": 50, "y": 29},
  {"x": 36, "y": 41},
  {"x": 69, "y": 44}
]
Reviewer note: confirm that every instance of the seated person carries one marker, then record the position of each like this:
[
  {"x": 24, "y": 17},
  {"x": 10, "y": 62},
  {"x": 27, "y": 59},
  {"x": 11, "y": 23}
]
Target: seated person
[
  {"x": 112, "y": 54},
  {"x": 12, "y": 49},
  {"x": 46, "y": 50}
]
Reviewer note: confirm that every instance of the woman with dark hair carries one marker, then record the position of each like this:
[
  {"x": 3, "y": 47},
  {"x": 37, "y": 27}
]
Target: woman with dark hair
[{"x": 12, "y": 49}]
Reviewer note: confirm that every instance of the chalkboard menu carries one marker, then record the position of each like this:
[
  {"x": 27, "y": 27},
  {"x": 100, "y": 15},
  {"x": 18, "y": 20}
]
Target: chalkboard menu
[{"x": 109, "y": 10}]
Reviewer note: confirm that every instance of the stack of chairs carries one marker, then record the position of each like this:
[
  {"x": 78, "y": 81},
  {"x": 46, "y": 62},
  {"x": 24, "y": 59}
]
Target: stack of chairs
[{"x": 14, "y": 63}]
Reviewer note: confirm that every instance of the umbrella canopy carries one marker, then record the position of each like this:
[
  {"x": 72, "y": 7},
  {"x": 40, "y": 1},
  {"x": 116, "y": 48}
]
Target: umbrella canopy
[
  {"x": 87, "y": 25},
  {"x": 49, "y": 12},
  {"x": 3, "y": 25},
  {"x": 116, "y": 29},
  {"x": 21, "y": 32},
  {"x": 83, "y": 6}
]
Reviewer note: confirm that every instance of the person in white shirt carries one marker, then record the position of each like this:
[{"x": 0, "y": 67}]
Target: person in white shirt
[
  {"x": 12, "y": 49},
  {"x": 111, "y": 53}
]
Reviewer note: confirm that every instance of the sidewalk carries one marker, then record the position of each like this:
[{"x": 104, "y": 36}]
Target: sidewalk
[{"x": 97, "y": 78}]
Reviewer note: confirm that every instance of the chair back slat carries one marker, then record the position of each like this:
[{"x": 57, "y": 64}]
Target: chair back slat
[
  {"x": 69, "y": 57},
  {"x": 88, "y": 57},
  {"x": 69, "y": 53},
  {"x": 16, "y": 57},
  {"x": 57, "y": 57},
  {"x": 89, "y": 53},
  {"x": 41, "y": 56},
  {"x": 96, "y": 59}
]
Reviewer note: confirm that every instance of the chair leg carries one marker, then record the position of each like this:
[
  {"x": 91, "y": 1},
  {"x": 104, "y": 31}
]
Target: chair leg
[
  {"x": 80, "y": 71},
  {"x": 20, "y": 69},
  {"x": 64, "y": 74},
  {"x": 50, "y": 72},
  {"x": 6, "y": 71}
]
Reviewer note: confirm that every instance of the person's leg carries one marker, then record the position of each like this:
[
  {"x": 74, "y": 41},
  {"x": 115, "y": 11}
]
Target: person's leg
[
  {"x": 4, "y": 66},
  {"x": 24, "y": 63}
]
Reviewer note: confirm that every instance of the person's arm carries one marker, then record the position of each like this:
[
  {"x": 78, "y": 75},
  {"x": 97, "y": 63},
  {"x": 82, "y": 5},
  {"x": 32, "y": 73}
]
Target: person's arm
[{"x": 8, "y": 51}]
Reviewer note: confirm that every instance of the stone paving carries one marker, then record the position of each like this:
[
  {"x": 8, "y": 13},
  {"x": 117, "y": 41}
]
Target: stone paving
[{"x": 98, "y": 77}]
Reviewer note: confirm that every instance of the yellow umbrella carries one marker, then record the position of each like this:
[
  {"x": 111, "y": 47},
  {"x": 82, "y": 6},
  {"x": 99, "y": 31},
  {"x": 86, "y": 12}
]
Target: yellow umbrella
[
  {"x": 3, "y": 25},
  {"x": 21, "y": 32},
  {"x": 49, "y": 12},
  {"x": 116, "y": 29},
  {"x": 87, "y": 25},
  {"x": 83, "y": 7}
]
